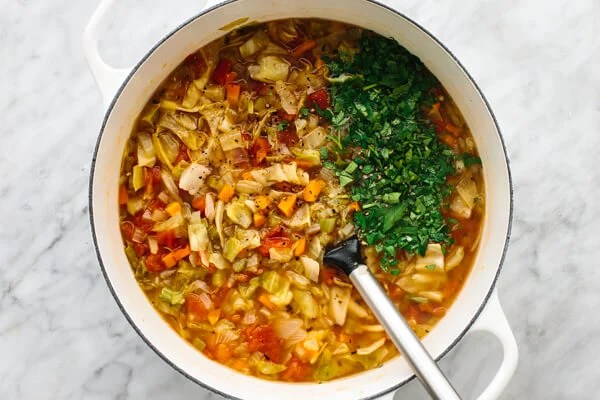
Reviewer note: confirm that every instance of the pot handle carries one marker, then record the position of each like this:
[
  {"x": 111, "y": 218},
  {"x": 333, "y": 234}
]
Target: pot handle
[
  {"x": 108, "y": 78},
  {"x": 493, "y": 320}
]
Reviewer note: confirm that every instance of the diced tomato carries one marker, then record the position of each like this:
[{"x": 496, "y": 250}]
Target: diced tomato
[
  {"x": 123, "y": 196},
  {"x": 297, "y": 371},
  {"x": 196, "y": 64},
  {"x": 182, "y": 155},
  {"x": 166, "y": 238},
  {"x": 220, "y": 295},
  {"x": 155, "y": 204},
  {"x": 233, "y": 93},
  {"x": 199, "y": 203},
  {"x": 330, "y": 273},
  {"x": 154, "y": 263},
  {"x": 273, "y": 242},
  {"x": 140, "y": 248},
  {"x": 289, "y": 137},
  {"x": 151, "y": 178},
  {"x": 195, "y": 307},
  {"x": 275, "y": 231},
  {"x": 127, "y": 228},
  {"x": 320, "y": 98},
  {"x": 220, "y": 74},
  {"x": 138, "y": 221},
  {"x": 260, "y": 150},
  {"x": 263, "y": 338},
  {"x": 282, "y": 115},
  {"x": 230, "y": 77},
  {"x": 303, "y": 48}
]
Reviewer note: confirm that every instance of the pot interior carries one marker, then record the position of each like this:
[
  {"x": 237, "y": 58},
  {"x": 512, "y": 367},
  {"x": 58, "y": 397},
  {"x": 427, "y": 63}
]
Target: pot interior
[{"x": 145, "y": 79}]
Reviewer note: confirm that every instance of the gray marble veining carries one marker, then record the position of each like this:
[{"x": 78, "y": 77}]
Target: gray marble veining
[{"x": 62, "y": 336}]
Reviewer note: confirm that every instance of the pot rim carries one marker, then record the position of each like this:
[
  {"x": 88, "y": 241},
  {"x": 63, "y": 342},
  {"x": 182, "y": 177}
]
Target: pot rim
[{"x": 135, "y": 69}]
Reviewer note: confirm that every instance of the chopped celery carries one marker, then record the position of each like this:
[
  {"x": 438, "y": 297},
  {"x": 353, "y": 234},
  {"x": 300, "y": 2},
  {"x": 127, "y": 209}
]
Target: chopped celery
[
  {"x": 171, "y": 297},
  {"x": 135, "y": 205},
  {"x": 233, "y": 247},
  {"x": 137, "y": 178},
  {"x": 327, "y": 225}
]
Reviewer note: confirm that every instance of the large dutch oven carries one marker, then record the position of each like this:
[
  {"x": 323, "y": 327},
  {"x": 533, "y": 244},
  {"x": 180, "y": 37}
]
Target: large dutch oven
[{"x": 126, "y": 91}]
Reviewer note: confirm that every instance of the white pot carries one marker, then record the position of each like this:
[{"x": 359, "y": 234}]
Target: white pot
[{"x": 134, "y": 88}]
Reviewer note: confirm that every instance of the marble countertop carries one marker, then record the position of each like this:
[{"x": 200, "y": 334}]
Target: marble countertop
[{"x": 62, "y": 335}]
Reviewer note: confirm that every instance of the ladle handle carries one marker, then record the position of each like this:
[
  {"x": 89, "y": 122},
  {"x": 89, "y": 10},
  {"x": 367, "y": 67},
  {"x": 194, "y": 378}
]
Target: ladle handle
[{"x": 402, "y": 335}]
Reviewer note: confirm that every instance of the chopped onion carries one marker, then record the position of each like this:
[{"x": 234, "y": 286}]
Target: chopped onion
[
  {"x": 138, "y": 236},
  {"x": 206, "y": 301},
  {"x": 249, "y": 317},
  {"x": 153, "y": 244},
  {"x": 163, "y": 196},
  {"x": 369, "y": 349},
  {"x": 198, "y": 284},
  {"x": 209, "y": 210},
  {"x": 311, "y": 268},
  {"x": 170, "y": 185}
]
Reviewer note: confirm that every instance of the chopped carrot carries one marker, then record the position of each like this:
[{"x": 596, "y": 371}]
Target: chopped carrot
[
  {"x": 259, "y": 220},
  {"x": 449, "y": 140},
  {"x": 304, "y": 164},
  {"x": 123, "y": 196},
  {"x": 222, "y": 353},
  {"x": 247, "y": 176},
  {"x": 213, "y": 316},
  {"x": 264, "y": 299},
  {"x": 319, "y": 63},
  {"x": 169, "y": 260},
  {"x": 312, "y": 190},
  {"x": 233, "y": 93},
  {"x": 182, "y": 253},
  {"x": 299, "y": 247},
  {"x": 262, "y": 202},
  {"x": 199, "y": 203},
  {"x": 240, "y": 364},
  {"x": 453, "y": 129},
  {"x": 287, "y": 204},
  {"x": 344, "y": 338},
  {"x": 425, "y": 307},
  {"x": 303, "y": 48},
  {"x": 226, "y": 193},
  {"x": 439, "y": 311},
  {"x": 354, "y": 206},
  {"x": 173, "y": 208}
]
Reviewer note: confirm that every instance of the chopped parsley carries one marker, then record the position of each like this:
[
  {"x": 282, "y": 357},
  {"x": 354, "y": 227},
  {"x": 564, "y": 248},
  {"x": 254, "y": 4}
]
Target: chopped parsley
[
  {"x": 282, "y": 126},
  {"x": 399, "y": 167}
]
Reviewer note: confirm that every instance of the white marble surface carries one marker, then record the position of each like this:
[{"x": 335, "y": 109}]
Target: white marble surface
[{"x": 62, "y": 335}]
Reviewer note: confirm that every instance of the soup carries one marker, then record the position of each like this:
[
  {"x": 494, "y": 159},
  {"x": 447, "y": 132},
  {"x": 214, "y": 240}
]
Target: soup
[{"x": 266, "y": 146}]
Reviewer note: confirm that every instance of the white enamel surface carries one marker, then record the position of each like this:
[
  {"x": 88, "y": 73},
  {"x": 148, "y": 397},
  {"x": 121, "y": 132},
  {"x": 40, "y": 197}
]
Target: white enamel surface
[{"x": 158, "y": 66}]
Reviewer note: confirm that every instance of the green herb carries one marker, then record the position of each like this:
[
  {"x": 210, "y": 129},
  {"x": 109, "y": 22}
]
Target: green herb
[
  {"x": 304, "y": 112},
  {"x": 469, "y": 159},
  {"x": 282, "y": 126},
  {"x": 430, "y": 267},
  {"x": 399, "y": 174}
]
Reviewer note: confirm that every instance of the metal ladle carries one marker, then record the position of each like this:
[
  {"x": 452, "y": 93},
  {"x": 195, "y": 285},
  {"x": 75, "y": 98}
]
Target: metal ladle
[{"x": 347, "y": 256}]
